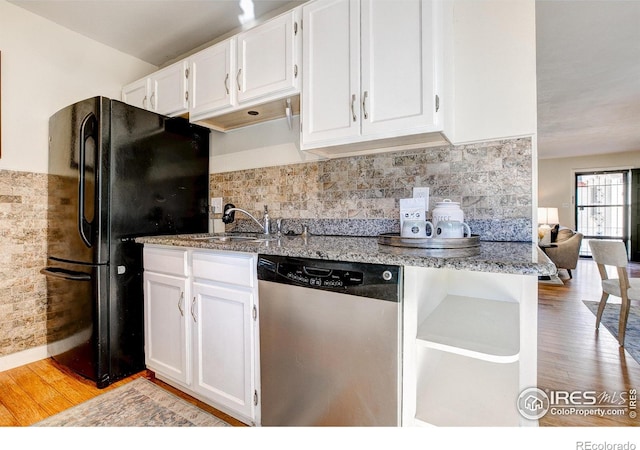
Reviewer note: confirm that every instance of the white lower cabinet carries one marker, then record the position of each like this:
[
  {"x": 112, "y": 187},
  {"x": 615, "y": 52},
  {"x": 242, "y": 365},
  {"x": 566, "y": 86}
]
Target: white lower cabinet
[
  {"x": 166, "y": 325},
  {"x": 470, "y": 345},
  {"x": 201, "y": 328}
]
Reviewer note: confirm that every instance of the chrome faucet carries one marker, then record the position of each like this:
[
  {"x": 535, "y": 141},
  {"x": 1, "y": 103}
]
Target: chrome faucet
[{"x": 229, "y": 216}]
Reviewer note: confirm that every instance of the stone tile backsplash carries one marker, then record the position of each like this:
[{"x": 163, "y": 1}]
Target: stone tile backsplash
[
  {"x": 23, "y": 250},
  {"x": 491, "y": 180},
  {"x": 356, "y": 195}
]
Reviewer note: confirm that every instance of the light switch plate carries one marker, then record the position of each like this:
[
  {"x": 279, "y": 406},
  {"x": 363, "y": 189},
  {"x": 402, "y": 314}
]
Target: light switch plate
[
  {"x": 422, "y": 192},
  {"x": 216, "y": 205}
]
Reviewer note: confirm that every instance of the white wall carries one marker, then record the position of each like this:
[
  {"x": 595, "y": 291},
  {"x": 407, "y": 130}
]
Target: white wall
[
  {"x": 44, "y": 68},
  {"x": 556, "y": 179}
]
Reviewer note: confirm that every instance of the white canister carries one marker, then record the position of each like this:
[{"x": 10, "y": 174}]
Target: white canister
[{"x": 447, "y": 210}]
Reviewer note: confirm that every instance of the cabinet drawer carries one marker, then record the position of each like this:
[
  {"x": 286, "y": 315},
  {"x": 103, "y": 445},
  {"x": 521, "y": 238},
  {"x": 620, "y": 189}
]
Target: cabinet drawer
[
  {"x": 165, "y": 260},
  {"x": 228, "y": 268}
]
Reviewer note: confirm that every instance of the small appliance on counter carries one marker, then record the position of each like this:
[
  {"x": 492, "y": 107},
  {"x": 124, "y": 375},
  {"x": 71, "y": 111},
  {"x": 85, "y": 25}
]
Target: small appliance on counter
[{"x": 449, "y": 237}]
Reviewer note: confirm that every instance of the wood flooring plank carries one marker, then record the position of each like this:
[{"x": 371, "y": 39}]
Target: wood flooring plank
[
  {"x": 38, "y": 388},
  {"x": 17, "y": 401},
  {"x": 6, "y": 418}
]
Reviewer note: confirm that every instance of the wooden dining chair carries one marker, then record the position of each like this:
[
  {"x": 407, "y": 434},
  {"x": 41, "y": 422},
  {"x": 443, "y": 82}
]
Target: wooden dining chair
[{"x": 614, "y": 254}]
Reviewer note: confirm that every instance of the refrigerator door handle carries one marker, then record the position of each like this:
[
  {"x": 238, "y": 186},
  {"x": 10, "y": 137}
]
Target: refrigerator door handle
[
  {"x": 65, "y": 274},
  {"x": 87, "y": 131}
]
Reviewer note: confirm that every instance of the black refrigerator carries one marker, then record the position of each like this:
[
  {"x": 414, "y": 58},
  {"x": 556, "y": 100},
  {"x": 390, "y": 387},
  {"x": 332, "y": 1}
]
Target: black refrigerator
[{"x": 116, "y": 172}]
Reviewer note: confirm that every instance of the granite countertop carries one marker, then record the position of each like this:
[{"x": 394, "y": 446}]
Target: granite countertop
[{"x": 497, "y": 257}]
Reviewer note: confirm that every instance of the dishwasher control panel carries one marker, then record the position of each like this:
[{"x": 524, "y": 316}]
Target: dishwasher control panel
[
  {"x": 320, "y": 277},
  {"x": 361, "y": 279}
]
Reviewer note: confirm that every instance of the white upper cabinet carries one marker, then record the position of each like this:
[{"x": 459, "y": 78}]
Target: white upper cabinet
[
  {"x": 247, "y": 78},
  {"x": 371, "y": 71},
  {"x": 165, "y": 91},
  {"x": 137, "y": 93},
  {"x": 266, "y": 59},
  {"x": 170, "y": 88},
  {"x": 399, "y": 86},
  {"x": 212, "y": 85},
  {"x": 331, "y": 78}
]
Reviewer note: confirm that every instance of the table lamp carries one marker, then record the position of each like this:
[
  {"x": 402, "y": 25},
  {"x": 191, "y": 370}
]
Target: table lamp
[{"x": 546, "y": 216}]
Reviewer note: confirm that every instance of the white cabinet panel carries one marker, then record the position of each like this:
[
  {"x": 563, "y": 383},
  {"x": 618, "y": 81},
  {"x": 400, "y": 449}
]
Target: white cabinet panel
[
  {"x": 136, "y": 93},
  {"x": 229, "y": 268},
  {"x": 166, "y": 260},
  {"x": 331, "y": 79},
  {"x": 164, "y": 91},
  {"x": 398, "y": 85},
  {"x": 211, "y": 79},
  {"x": 266, "y": 59},
  {"x": 169, "y": 89},
  {"x": 371, "y": 73},
  {"x": 166, "y": 349},
  {"x": 223, "y": 349}
]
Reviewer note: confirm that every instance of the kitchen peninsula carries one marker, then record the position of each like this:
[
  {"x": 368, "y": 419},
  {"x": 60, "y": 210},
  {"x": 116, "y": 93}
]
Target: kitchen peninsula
[
  {"x": 469, "y": 338},
  {"x": 498, "y": 257}
]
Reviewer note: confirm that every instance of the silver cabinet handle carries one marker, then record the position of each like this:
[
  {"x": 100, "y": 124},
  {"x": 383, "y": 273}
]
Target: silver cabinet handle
[
  {"x": 153, "y": 106},
  {"x": 226, "y": 83},
  {"x": 353, "y": 109},
  {"x": 144, "y": 102},
  {"x": 180, "y": 303},
  {"x": 364, "y": 105},
  {"x": 238, "y": 79},
  {"x": 193, "y": 313}
]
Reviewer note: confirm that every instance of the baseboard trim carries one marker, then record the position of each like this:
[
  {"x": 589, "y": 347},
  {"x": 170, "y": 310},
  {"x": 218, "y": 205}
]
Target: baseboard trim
[{"x": 24, "y": 357}]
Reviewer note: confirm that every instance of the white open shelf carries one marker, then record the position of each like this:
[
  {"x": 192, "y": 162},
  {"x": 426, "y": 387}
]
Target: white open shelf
[
  {"x": 488, "y": 330},
  {"x": 455, "y": 390}
]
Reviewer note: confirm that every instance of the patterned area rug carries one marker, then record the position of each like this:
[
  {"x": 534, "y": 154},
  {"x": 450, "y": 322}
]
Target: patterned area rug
[
  {"x": 139, "y": 403},
  {"x": 610, "y": 318}
]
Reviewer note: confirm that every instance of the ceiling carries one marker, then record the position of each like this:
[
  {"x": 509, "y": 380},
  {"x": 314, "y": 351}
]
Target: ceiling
[
  {"x": 588, "y": 55},
  {"x": 155, "y": 31},
  {"x": 588, "y": 64}
]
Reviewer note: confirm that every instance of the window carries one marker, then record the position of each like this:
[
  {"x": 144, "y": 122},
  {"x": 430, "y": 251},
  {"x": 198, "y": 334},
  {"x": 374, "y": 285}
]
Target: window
[{"x": 601, "y": 206}]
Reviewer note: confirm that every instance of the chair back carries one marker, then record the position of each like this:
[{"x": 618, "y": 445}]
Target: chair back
[{"x": 609, "y": 253}]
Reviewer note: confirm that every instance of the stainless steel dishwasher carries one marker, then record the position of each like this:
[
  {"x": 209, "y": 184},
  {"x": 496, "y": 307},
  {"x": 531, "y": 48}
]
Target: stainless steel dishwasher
[{"x": 330, "y": 339}]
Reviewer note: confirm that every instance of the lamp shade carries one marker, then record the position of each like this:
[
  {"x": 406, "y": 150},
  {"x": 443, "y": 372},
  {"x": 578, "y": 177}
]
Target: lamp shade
[{"x": 548, "y": 216}]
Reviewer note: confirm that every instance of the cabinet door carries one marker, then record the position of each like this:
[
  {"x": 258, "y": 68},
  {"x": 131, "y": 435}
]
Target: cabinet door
[
  {"x": 224, "y": 336},
  {"x": 136, "y": 93},
  {"x": 211, "y": 79},
  {"x": 398, "y": 82},
  {"x": 331, "y": 77},
  {"x": 266, "y": 59},
  {"x": 165, "y": 326},
  {"x": 169, "y": 90}
]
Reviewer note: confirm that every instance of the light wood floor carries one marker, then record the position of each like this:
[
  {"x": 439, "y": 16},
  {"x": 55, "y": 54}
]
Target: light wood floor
[
  {"x": 41, "y": 389},
  {"x": 571, "y": 356}
]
